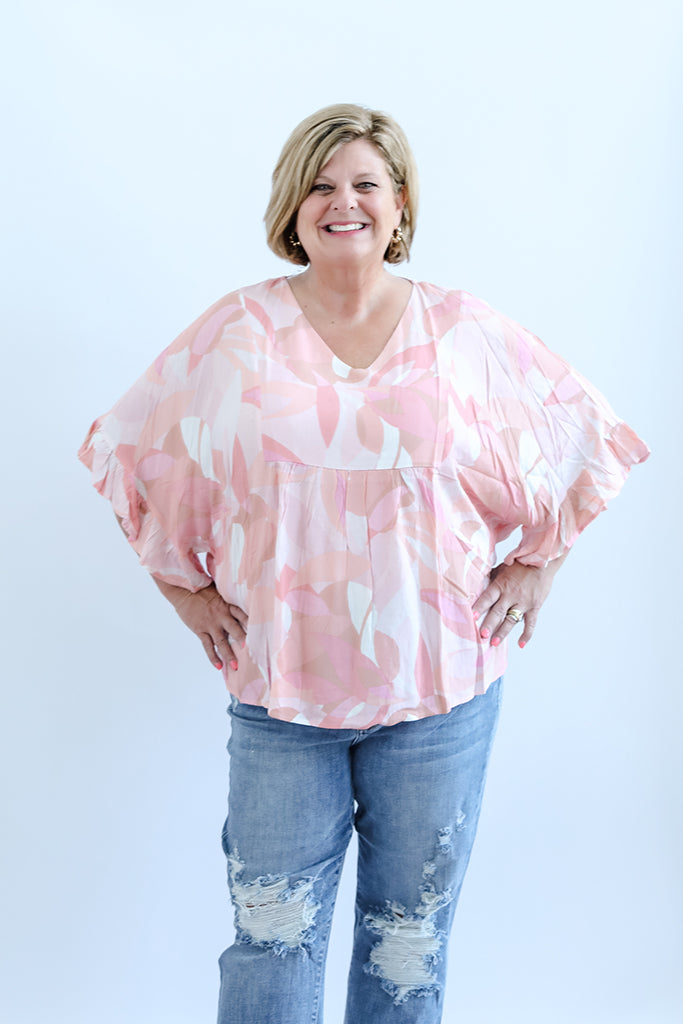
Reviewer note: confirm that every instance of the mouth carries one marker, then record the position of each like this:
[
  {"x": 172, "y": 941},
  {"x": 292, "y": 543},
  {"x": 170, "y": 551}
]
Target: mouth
[{"x": 336, "y": 229}]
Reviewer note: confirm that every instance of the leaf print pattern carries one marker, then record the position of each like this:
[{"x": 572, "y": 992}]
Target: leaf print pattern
[{"x": 353, "y": 513}]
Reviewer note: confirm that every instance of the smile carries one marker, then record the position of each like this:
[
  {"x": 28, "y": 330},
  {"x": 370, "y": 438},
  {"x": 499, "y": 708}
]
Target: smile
[{"x": 336, "y": 228}]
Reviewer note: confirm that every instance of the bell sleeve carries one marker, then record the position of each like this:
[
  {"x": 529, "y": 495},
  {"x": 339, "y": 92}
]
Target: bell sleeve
[
  {"x": 152, "y": 456},
  {"x": 566, "y": 450}
]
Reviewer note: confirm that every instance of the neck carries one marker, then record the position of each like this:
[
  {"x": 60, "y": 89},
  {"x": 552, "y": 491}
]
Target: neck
[{"x": 347, "y": 292}]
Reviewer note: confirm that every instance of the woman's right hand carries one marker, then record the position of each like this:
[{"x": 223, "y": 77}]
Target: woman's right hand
[{"x": 218, "y": 625}]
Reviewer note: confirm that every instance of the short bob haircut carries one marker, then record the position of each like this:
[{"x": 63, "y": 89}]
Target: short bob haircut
[{"x": 311, "y": 145}]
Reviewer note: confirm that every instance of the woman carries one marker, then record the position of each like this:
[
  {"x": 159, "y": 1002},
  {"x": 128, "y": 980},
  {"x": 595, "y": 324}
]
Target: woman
[{"x": 345, "y": 448}]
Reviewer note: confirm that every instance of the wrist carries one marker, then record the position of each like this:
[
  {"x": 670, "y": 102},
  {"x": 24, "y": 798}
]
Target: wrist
[
  {"x": 177, "y": 596},
  {"x": 550, "y": 567}
]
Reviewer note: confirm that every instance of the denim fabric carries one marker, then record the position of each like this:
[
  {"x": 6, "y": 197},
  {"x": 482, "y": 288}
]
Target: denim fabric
[{"x": 413, "y": 792}]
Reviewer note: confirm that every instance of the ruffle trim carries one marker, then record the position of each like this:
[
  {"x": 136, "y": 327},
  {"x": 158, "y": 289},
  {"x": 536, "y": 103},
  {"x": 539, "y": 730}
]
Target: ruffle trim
[
  {"x": 156, "y": 551},
  {"x": 597, "y": 484}
]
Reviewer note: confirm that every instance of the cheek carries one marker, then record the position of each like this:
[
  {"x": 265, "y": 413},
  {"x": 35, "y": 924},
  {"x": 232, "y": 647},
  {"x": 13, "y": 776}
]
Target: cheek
[{"x": 306, "y": 217}]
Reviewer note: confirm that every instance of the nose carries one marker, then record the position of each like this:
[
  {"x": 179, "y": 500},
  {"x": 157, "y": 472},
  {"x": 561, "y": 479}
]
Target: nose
[{"x": 344, "y": 198}]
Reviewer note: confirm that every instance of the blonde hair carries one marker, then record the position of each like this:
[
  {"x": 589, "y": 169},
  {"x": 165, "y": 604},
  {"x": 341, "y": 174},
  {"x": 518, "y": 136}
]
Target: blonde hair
[{"x": 311, "y": 145}]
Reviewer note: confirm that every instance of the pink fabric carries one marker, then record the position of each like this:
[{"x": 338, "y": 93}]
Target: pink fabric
[{"x": 353, "y": 514}]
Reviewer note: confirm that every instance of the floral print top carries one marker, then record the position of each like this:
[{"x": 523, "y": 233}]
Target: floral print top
[{"x": 353, "y": 513}]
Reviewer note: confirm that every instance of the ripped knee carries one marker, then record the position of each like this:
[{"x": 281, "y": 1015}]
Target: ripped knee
[
  {"x": 273, "y": 912},
  {"x": 410, "y": 945}
]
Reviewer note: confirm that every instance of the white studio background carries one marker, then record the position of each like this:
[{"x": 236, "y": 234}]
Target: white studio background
[{"x": 139, "y": 140}]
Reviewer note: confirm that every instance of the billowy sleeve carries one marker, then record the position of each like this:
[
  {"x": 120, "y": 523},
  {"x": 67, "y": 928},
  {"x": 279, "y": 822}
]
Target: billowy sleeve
[
  {"x": 564, "y": 450},
  {"x": 154, "y": 458}
]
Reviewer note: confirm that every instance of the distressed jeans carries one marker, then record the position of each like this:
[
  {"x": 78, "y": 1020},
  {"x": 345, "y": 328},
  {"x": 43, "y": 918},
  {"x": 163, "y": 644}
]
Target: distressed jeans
[{"x": 413, "y": 793}]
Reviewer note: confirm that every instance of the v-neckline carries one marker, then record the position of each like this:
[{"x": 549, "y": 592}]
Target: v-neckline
[{"x": 387, "y": 349}]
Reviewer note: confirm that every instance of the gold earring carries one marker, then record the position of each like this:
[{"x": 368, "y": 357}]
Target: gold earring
[
  {"x": 397, "y": 235},
  {"x": 294, "y": 240}
]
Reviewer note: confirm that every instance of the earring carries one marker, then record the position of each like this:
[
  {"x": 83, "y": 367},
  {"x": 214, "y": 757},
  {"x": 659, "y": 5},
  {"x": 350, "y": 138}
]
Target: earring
[
  {"x": 397, "y": 235},
  {"x": 294, "y": 240}
]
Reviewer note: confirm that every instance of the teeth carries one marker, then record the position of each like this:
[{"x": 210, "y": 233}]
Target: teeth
[{"x": 344, "y": 227}]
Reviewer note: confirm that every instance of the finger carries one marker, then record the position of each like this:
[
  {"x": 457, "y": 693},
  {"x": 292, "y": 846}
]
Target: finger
[
  {"x": 493, "y": 604},
  {"x": 225, "y": 649},
  {"x": 493, "y": 622},
  {"x": 238, "y": 614},
  {"x": 208, "y": 645},
  {"x": 498, "y": 624},
  {"x": 235, "y": 627},
  {"x": 486, "y": 600},
  {"x": 503, "y": 630},
  {"x": 530, "y": 620}
]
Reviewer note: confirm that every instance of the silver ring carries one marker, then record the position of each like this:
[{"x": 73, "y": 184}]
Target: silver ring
[{"x": 516, "y": 614}]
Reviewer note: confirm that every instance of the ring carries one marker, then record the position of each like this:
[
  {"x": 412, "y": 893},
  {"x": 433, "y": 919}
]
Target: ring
[{"x": 515, "y": 614}]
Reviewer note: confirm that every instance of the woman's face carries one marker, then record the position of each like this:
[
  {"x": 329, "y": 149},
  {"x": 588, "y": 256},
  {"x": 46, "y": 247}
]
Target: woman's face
[{"x": 352, "y": 209}]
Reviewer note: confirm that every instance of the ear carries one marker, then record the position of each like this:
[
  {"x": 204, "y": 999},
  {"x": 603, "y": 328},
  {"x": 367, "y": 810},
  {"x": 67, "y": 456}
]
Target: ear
[{"x": 401, "y": 198}]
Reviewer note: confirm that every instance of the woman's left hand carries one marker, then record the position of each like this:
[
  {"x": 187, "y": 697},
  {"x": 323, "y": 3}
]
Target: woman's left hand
[{"x": 517, "y": 586}]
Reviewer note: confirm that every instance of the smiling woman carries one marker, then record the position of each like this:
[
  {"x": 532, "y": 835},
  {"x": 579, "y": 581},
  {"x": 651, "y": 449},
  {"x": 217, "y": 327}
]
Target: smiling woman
[
  {"x": 306, "y": 154},
  {"x": 346, "y": 447},
  {"x": 352, "y": 196},
  {"x": 345, "y": 226}
]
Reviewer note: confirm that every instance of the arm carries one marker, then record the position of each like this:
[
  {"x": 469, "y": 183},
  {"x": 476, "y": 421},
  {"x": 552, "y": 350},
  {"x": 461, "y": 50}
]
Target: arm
[
  {"x": 524, "y": 587},
  {"x": 568, "y": 455},
  {"x": 216, "y": 623}
]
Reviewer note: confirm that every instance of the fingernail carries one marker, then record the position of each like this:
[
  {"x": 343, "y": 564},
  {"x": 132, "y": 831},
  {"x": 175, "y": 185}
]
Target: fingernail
[
  {"x": 218, "y": 664},
  {"x": 485, "y": 633},
  {"x": 522, "y": 643},
  {"x": 244, "y": 644},
  {"x": 495, "y": 641},
  {"x": 233, "y": 665},
  {"x": 475, "y": 614}
]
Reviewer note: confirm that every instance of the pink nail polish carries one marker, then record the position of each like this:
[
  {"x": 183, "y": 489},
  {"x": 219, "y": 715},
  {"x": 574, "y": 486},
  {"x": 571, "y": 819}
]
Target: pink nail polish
[
  {"x": 495, "y": 642},
  {"x": 218, "y": 664},
  {"x": 233, "y": 665},
  {"x": 244, "y": 644},
  {"x": 475, "y": 614},
  {"x": 522, "y": 643},
  {"x": 485, "y": 634}
]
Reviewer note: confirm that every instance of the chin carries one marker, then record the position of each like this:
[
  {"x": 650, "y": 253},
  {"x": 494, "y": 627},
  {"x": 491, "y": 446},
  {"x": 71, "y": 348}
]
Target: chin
[{"x": 350, "y": 254}]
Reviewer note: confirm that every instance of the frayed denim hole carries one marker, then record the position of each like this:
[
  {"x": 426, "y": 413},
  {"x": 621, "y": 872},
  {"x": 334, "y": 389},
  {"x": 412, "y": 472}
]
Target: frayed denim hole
[{"x": 273, "y": 912}]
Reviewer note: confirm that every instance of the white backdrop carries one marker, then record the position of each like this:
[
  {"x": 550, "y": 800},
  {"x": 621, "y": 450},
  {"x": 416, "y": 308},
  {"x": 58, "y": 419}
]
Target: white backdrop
[{"x": 140, "y": 137}]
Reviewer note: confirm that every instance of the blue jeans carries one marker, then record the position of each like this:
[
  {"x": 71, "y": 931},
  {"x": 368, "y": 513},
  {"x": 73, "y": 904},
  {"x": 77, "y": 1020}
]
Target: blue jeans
[{"x": 413, "y": 792}]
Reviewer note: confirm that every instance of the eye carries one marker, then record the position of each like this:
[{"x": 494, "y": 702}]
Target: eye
[
  {"x": 366, "y": 186},
  {"x": 321, "y": 187}
]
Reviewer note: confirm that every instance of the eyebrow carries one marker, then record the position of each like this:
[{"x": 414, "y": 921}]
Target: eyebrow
[{"x": 361, "y": 174}]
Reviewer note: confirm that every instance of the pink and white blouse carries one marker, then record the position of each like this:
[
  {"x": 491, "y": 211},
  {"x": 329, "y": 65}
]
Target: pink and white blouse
[{"x": 353, "y": 513}]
